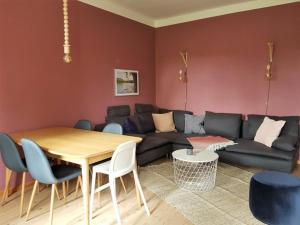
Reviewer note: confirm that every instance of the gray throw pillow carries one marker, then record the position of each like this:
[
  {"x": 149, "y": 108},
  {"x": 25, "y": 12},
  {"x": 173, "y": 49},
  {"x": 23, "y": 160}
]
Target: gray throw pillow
[{"x": 193, "y": 124}]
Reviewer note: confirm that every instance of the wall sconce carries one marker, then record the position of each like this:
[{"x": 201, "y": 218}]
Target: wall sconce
[
  {"x": 183, "y": 73},
  {"x": 271, "y": 54},
  {"x": 67, "y": 52},
  {"x": 269, "y": 72}
]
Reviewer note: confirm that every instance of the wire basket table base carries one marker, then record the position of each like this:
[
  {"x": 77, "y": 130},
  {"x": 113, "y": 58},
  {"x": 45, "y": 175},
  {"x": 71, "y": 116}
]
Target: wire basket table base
[{"x": 195, "y": 176}]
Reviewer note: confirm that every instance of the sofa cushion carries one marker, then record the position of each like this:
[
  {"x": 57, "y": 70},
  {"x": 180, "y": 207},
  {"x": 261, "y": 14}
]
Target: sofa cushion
[
  {"x": 170, "y": 136},
  {"x": 179, "y": 118},
  {"x": 223, "y": 124},
  {"x": 291, "y": 127},
  {"x": 118, "y": 119},
  {"x": 286, "y": 143},
  {"x": 150, "y": 142},
  {"x": 130, "y": 127},
  {"x": 254, "y": 148},
  {"x": 118, "y": 111},
  {"x": 175, "y": 137},
  {"x": 144, "y": 108},
  {"x": 268, "y": 131},
  {"x": 163, "y": 122},
  {"x": 144, "y": 122},
  {"x": 194, "y": 124}
]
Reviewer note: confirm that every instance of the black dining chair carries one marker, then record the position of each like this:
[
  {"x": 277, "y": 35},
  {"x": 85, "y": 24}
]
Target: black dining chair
[
  {"x": 13, "y": 161},
  {"x": 41, "y": 170}
]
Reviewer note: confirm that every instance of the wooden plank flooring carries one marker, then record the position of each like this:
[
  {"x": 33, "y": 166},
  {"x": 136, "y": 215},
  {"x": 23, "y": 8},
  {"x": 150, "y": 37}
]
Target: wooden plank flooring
[{"x": 72, "y": 212}]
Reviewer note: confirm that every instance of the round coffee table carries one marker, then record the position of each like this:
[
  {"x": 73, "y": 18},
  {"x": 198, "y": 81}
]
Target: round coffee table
[{"x": 195, "y": 172}]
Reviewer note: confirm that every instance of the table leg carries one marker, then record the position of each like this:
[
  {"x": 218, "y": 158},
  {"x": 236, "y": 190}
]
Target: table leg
[{"x": 85, "y": 190}]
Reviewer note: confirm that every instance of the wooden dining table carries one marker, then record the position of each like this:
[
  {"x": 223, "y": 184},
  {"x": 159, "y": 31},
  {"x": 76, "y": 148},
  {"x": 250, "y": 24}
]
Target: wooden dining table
[{"x": 77, "y": 146}]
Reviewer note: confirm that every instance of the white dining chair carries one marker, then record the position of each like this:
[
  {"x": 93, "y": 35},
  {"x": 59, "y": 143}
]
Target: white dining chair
[{"x": 122, "y": 162}]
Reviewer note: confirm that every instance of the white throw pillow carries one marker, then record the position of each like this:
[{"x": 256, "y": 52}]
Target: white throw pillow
[{"x": 268, "y": 131}]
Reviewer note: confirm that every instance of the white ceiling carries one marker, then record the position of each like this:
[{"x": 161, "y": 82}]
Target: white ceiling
[
  {"x": 161, "y": 9},
  {"x": 158, "y": 13}
]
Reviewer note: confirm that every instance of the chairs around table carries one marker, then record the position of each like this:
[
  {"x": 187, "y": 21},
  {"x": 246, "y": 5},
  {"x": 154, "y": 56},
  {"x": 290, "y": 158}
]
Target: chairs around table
[
  {"x": 274, "y": 198},
  {"x": 12, "y": 160},
  {"x": 113, "y": 128},
  {"x": 40, "y": 169},
  {"x": 122, "y": 162}
]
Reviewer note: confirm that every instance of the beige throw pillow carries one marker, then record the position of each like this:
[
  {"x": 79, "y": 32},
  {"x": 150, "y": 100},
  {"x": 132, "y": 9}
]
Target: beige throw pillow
[
  {"x": 268, "y": 131},
  {"x": 164, "y": 122}
]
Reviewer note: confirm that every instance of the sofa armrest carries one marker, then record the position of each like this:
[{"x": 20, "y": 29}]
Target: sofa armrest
[
  {"x": 286, "y": 143},
  {"x": 100, "y": 127}
]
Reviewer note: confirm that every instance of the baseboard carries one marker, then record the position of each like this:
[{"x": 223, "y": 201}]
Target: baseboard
[{"x": 28, "y": 185}]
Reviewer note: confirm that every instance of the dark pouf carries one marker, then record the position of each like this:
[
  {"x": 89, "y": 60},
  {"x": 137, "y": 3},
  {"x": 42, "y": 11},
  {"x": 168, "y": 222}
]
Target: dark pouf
[{"x": 274, "y": 198}]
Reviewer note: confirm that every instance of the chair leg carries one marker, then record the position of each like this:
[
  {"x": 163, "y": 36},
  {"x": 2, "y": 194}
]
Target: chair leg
[
  {"x": 92, "y": 194},
  {"x": 67, "y": 182},
  {"x": 138, "y": 198},
  {"x": 7, "y": 184},
  {"x": 31, "y": 198},
  {"x": 99, "y": 182},
  {"x": 57, "y": 194},
  {"x": 52, "y": 203},
  {"x": 138, "y": 184},
  {"x": 79, "y": 183},
  {"x": 64, "y": 192},
  {"x": 123, "y": 185},
  {"x": 112, "y": 183},
  {"x": 67, "y": 187},
  {"x": 22, "y": 193},
  {"x": 39, "y": 187}
]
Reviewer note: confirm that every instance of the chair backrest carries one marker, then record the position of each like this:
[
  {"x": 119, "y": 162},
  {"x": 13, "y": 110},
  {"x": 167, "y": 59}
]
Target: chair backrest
[
  {"x": 37, "y": 163},
  {"x": 10, "y": 154},
  {"x": 123, "y": 160},
  {"x": 83, "y": 124},
  {"x": 113, "y": 128}
]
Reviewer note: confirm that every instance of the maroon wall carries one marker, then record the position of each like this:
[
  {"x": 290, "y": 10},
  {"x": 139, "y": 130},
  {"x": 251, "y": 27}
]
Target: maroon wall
[
  {"x": 227, "y": 62},
  {"x": 37, "y": 89}
]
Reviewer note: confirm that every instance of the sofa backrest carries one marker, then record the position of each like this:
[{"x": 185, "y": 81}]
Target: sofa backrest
[
  {"x": 178, "y": 117},
  {"x": 144, "y": 108},
  {"x": 291, "y": 127},
  {"x": 223, "y": 124},
  {"x": 117, "y": 114}
]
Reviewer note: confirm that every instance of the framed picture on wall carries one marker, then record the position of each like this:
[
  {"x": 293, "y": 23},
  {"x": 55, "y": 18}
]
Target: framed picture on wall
[{"x": 126, "y": 82}]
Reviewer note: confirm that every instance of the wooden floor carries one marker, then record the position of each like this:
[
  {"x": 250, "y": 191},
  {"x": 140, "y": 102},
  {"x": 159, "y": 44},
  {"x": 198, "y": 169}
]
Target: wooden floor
[{"x": 72, "y": 212}]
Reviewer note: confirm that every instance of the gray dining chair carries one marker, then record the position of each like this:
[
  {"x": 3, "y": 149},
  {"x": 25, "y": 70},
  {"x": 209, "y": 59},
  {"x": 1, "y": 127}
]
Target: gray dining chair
[
  {"x": 83, "y": 124},
  {"x": 13, "y": 161},
  {"x": 113, "y": 128},
  {"x": 41, "y": 170}
]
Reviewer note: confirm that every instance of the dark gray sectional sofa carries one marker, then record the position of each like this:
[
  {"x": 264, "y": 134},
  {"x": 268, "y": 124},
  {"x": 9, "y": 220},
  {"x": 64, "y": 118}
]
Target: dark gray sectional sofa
[{"x": 282, "y": 156}]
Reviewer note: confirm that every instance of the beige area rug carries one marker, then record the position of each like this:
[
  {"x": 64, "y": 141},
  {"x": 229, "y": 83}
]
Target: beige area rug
[{"x": 226, "y": 204}]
